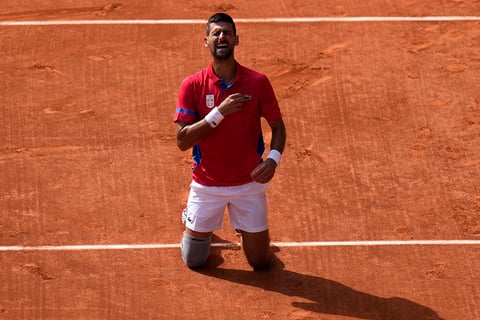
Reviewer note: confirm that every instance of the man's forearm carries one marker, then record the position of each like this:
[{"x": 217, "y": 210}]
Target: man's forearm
[
  {"x": 189, "y": 135},
  {"x": 279, "y": 136}
]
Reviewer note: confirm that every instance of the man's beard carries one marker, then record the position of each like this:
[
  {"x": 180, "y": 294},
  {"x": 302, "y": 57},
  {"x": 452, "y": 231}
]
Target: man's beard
[{"x": 223, "y": 55}]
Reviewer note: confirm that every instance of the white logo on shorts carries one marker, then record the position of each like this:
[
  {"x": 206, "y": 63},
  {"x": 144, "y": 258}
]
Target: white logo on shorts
[{"x": 210, "y": 100}]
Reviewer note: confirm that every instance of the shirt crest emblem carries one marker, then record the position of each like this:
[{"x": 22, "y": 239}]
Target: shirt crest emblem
[{"x": 210, "y": 100}]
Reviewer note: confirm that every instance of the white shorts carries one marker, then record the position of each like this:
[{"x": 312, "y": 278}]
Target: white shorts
[{"x": 247, "y": 207}]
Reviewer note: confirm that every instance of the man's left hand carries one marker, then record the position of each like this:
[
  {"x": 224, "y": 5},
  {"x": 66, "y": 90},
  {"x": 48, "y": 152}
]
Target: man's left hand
[{"x": 264, "y": 172}]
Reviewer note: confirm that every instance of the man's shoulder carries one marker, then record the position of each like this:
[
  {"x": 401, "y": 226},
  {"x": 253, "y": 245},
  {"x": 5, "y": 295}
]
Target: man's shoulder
[
  {"x": 197, "y": 78},
  {"x": 200, "y": 74},
  {"x": 250, "y": 72}
]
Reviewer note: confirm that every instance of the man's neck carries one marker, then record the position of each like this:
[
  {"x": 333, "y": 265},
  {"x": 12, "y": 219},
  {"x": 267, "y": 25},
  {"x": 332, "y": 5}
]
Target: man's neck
[{"x": 225, "y": 69}]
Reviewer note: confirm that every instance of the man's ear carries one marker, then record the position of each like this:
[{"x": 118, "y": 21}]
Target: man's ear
[
  {"x": 237, "y": 40},
  {"x": 205, "y": 42}
]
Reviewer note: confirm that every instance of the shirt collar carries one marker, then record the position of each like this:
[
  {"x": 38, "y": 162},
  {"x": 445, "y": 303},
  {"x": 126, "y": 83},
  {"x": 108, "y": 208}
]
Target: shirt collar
[{"x": 216, "y": 79}]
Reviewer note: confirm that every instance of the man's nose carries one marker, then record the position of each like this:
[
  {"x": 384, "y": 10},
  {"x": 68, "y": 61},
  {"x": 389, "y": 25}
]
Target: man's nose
[{"x": 222, "y": 35}]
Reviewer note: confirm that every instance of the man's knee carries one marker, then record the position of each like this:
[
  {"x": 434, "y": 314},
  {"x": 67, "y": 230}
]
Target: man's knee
[
  {"x": 256, "y": 247},
  {"x": 195, "y": 250}
]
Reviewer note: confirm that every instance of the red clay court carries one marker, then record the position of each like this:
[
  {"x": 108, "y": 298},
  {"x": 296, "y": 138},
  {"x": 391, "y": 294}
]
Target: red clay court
[{"x": 374, "y": 211}]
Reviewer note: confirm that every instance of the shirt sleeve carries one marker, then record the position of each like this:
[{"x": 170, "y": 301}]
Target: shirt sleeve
[
  {"x": 269, "y": 107},
  {"x": 186, "y": 110}
]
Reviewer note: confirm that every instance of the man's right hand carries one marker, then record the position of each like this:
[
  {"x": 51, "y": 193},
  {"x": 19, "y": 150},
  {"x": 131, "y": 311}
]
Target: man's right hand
[{"x": 232, "y": 104}]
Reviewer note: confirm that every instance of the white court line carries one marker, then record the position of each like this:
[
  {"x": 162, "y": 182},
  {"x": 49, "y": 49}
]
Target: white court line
[
  {"x": 241, "y": 20},
  {"x": 233, "y": 245}
]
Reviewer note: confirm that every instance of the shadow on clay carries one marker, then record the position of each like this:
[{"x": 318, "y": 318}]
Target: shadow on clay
[{"x": 326, "y": 296}]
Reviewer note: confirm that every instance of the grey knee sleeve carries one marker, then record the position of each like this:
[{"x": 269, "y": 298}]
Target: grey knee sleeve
[{"x": 195, "y": 250}]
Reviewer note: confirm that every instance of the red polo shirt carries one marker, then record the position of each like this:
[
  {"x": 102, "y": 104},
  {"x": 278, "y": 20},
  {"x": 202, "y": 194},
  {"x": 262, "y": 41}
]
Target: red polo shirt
[{"x": 228, "y": 155}]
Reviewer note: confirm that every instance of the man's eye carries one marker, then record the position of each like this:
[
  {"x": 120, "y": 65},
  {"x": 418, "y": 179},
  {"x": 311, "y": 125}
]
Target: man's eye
[{"x": 219, "y": 33}]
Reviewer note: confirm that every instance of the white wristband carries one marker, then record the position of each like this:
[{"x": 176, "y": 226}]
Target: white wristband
[
  {"x": 275, "y": 155},
  {"x": 214, "y": 117}
]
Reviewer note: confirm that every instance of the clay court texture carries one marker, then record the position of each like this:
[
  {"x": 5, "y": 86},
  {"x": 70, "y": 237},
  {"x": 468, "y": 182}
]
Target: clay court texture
[{"x": 374, "y": 210}]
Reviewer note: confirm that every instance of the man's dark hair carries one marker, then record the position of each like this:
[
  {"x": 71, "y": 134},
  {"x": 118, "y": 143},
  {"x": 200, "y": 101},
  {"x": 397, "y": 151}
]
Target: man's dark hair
[{"x": 221, "y": 17}]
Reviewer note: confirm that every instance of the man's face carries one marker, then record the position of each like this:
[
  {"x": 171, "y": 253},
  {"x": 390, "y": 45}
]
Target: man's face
[{"x": 221, "y": 40}]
